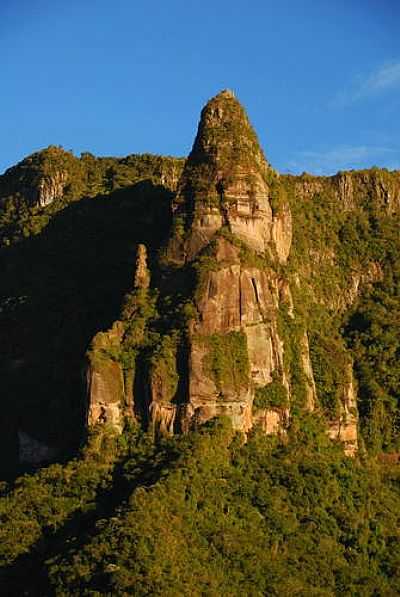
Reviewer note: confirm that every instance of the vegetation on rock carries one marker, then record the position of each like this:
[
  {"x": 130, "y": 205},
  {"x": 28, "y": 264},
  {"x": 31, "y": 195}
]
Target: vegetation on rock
[
  {"x": 227, "y": 361},
  {"x": 211, "y": 512},
  {"x": 273, "y": 395}
]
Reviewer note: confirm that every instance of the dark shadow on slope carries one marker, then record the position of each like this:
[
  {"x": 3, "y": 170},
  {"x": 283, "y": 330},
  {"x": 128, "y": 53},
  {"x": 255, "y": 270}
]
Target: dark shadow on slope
[
  {"x": 57, "y": 290},
  {"x": 28, "y": 574}
]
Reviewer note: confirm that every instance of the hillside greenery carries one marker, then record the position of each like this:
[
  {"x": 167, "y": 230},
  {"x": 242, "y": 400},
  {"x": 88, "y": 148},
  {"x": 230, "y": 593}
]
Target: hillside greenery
[
  {"x": 61, "y": 283},
  {"x": 205, "y": 514},
  {"x": 87, "y": 176},
  {"x": 348, "y": 298}
]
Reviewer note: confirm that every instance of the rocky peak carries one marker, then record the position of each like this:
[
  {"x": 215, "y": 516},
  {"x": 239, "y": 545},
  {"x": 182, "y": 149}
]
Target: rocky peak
[
  {"x": 228, "y": 182},
  {"x": 226, "y": 93},
  {"x": 237, "y": 346},
  {"x": 40, "y": 178},
  {"x": 226, "y": 139}
]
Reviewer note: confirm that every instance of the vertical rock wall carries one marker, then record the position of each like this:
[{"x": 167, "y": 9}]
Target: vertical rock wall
[{"x": 233, "y": 227}]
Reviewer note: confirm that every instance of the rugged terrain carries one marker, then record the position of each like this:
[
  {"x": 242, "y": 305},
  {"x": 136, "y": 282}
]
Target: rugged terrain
[
  {"x": 220, "y": 305},
  {"x": 151, "y": 294}
]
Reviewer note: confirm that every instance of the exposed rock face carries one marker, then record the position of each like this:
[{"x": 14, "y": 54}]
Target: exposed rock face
[
  {"x": 228, "y": 201},
  {"x": 350, "y": 189},
  {"x": 311, "y": 390},
  {"x": 232, "y": 225},
  {"x": 243, "y": 301},
  {"x": 51, "y": 188},
  {"x": 359, "y": 280},
  {"x": 109, "y": 373},
  {"x": 344, "y": 428},
  {"x": 142, "y": 274},
  {"x": 105, "y": 380},
  {"x": 40, "y": 178},
  {"x": 227, "y": 182}
]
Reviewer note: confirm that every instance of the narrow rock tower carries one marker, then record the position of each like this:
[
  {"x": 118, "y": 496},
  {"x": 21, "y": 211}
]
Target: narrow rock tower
[
  {"x": 220, "y": 334},
  {"x": 234, "y": 226},
  {"x": 228, "y": 183}
]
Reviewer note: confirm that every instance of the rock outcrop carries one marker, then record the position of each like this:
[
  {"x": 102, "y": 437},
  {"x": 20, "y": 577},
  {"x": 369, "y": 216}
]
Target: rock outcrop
[
  {"x": 351, "y": 189},
  {"x": 227, "y": 182},
  {"x": 345, "y": 427},
  {"x": 105, "y": 379},
  {"x": 110, "y": 358},
  {"x": 51, "y": 188},
  {"x": 228, "y": 205},
  {"x": 40, "y": 178},
  {"x": 232, "y": 226},
  {"x": 255, "y": 266}
]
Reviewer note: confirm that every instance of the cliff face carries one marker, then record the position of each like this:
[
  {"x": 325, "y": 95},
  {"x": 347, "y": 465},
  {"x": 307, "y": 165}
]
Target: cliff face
[
  {"x": 110, "y": 368},
  {"x": 350, "y": 189},
  {"x": 226, "y": 182},
  {"x": 236, "y": 304},
  {"x": 224, "y": 207},
  {"x": 232, "y": 227},
  {"x": 39, "y": 179}
]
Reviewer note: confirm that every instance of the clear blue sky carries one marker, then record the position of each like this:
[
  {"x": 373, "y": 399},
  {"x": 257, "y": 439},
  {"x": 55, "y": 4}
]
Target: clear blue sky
[{"x": 320, "y": 79}]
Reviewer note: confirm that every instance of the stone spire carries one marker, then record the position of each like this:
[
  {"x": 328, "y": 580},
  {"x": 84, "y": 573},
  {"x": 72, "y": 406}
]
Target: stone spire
[
  {"x": 142, "y": 274},
  {"x": 226, "y": 154},
  {"x": 226, "y": 181}
]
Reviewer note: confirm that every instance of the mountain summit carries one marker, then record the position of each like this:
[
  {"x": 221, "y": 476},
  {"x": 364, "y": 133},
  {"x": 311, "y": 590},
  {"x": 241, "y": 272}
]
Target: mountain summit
[
  {"x": 236, "y": 306},
  {"x": 222, "y": 351},
  {"x": 227, "y": 182},
  {"x": 168, "y": 316}
]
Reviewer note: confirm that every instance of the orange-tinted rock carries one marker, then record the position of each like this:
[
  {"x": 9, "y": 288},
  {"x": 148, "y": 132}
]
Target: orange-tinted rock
[
  {"x": 344, "y": 428},
  {"x": 227, "y": 182},
  {"x": 105, "y": 380}
]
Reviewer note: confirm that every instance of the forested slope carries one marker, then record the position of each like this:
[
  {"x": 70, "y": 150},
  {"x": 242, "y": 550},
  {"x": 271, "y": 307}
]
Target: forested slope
[{"x": 200, "y": 367}]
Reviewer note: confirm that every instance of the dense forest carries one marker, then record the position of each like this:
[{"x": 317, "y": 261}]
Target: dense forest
[
  {"x": 137, "y": 507},
  {"x": 205, "y": 514}
]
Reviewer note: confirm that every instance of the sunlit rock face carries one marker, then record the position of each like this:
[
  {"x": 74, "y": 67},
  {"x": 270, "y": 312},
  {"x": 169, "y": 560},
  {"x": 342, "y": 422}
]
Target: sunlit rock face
[
  {"x": 109, "y": 378},
  {"x": 225, "y": 206},
  {"x": 41, "y": 178},
  {"x": 237, "y": 316},
  {"x": 230, "y": 240},
  {"x": 105, "y": 380},
  {"x": 345, "y": 427},
  {"x": 227, "y": 182}
]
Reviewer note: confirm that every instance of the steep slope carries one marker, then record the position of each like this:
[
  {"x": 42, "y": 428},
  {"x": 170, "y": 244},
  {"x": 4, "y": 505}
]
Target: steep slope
[
  {"x": 227, "y": 182},
  {"x": 247, "y": 325},
  {"x": 344, "y": 267},
  {"x": 262, "y": 293},
  {"x": 64, "y": 271},
  {"x": 133, "y": 319},
  {"x": 225, "y": 229}
]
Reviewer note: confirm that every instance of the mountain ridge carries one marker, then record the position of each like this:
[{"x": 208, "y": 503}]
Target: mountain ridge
[
  {"x": 231, "y": 217},
  {"x": 200, "y": 377}
]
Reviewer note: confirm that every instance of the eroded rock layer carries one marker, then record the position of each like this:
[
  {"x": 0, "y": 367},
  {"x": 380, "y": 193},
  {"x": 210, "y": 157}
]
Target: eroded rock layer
[
  {"x": 232, "y": 229},
  {"x": 227, "y": 182}
]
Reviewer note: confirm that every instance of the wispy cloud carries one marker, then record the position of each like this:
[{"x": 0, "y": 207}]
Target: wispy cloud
[
  {"x": 384, "y": 78},
  {"x": 344, "y": 158}
]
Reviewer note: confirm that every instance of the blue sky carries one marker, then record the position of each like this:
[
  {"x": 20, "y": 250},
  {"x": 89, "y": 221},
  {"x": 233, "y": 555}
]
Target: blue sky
[{"x": 320, "y": 79}]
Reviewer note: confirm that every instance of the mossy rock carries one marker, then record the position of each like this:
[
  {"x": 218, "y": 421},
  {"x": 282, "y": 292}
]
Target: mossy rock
[
  {"x": 227, "y": 361},
  {"x": 271, "y": 396},
  {"x": 163, "y": 368}
]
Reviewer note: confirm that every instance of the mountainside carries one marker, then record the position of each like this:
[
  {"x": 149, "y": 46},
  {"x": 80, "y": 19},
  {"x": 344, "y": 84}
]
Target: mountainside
[{"x": 144, "y": 297}]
